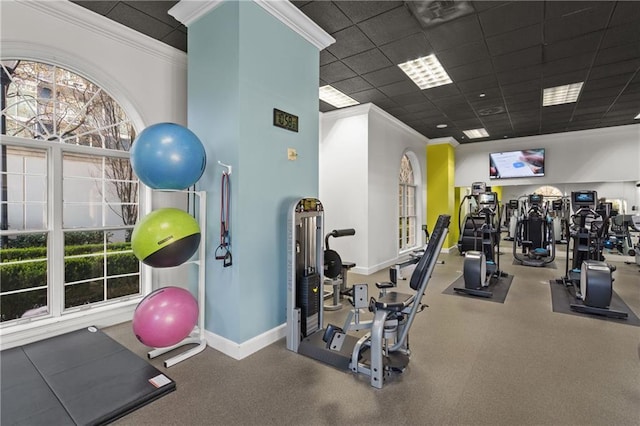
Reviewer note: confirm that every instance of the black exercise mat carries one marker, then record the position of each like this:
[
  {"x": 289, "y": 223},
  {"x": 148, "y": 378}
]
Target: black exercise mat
[
  {"x": 551, "y": 265},
  {"x": 499, "y": 289},
  {"x": 25, "y": 397},
  {"x": 83, "y": 377},
  {"x": 561, "y": 299}
]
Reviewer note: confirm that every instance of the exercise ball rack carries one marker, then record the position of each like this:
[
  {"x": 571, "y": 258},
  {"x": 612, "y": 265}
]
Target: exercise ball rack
[{"x": 197, "y": 335}]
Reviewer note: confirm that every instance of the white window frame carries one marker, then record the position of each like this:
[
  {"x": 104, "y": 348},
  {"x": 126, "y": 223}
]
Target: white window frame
[
  {"x": 402, "y": 189},
  {"x": 60, "y": 320}
]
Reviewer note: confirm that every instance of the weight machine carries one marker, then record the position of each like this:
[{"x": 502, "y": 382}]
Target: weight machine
[
  {"x": 385, "y": 348},
  {"x": 335, "y": 270}
]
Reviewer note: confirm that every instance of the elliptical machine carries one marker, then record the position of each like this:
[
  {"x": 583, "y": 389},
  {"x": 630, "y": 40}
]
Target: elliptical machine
[
  {"x": 470, "y": 231},
  {"x": 512, "y": 219},
  {"x": 534, "y": 234},
  {"x": 590, "y": 279},
  {"x": 482, "y": 267}
]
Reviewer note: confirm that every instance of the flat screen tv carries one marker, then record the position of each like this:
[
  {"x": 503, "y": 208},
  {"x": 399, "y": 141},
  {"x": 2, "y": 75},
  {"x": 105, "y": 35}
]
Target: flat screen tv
[{"x": 516, "y": 164}]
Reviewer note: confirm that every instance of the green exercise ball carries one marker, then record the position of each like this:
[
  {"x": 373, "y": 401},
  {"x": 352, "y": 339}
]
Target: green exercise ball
[{"x": 165, "y": 237}]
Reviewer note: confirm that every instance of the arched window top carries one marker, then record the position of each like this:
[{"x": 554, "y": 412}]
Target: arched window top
[
  {"x": 548, "y": 191},
  {"x": 406, "y": 171},
  {"x": 47, "y": 102}
]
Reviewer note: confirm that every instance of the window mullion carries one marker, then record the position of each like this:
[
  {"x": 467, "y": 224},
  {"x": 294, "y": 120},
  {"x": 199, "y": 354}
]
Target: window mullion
[
  {"x": 103, "y": 186},
  {"x": 56, "y": 242}
]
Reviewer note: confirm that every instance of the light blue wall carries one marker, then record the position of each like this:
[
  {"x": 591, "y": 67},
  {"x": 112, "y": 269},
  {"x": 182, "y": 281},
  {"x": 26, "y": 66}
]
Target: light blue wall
[{"x": 242, "y": 64}]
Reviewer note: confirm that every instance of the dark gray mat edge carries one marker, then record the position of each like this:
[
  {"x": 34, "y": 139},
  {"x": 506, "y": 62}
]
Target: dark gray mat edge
[
  {"x": 94, "y": 379},
  {"x": 561, "y": 299},
  {"x": 500, "y": 289}
]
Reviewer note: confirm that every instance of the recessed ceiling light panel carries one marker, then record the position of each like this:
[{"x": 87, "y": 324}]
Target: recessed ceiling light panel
[
  {"x": 333, "y": 96},
  {"x": 561, "y": 94},
  {"x": 426, "y": 72},
  {"x": 476, "y": 133}
]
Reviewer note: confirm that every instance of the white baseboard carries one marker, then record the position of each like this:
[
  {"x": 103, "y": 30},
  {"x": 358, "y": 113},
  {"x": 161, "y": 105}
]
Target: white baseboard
[
  {"x": 368, "y": 270},
  {"x": 242, "y": 350},
  {"x": 448, "y": 250}
]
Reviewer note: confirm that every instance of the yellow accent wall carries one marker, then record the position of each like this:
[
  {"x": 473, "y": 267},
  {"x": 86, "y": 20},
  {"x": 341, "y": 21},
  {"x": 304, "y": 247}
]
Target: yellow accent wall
[
  {"x": 497, "y": 190},
  {"x": 440, "y": 188}
]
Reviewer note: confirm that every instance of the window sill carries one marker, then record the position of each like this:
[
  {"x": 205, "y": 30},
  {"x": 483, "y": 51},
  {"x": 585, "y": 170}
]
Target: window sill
[{"x": 99, "y": 316}]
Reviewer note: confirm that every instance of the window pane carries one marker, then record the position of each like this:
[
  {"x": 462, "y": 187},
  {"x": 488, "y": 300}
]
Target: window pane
[
  {"x": 23, "y": 305},
  {"x": 406, "y": 172},
  {"x": 122, "y": 286},
  {"x": 98, "y": 191},
  {"x": 83, "y": 293},
  {"x": 26, "y": 203},
  {"x": 411, "y": 201},
  {"x": 50, "y": 103},
  {"x": 411, "y": 232},
  {"x": 78, "y": 268},
  {"x": 85, "y": 255},
  {"x": 23, "y": 276}
]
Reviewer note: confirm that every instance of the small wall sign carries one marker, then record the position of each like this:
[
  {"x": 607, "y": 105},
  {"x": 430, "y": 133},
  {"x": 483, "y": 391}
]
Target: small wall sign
[{"x": 285, "y": 120}]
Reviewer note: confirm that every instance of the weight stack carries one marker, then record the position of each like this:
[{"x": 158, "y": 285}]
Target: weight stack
[{"x": 308, "y": 296}]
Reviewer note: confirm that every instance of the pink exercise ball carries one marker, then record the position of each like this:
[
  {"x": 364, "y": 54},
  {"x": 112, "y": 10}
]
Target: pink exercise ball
[{"x": 165, "y": 317}]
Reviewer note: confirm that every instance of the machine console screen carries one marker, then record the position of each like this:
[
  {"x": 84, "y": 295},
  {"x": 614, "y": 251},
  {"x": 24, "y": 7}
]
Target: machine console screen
[
  {"x": 487, "y": 198},
  {"x": 535, "y": 199},
  {"x": 583, "y": 199}
]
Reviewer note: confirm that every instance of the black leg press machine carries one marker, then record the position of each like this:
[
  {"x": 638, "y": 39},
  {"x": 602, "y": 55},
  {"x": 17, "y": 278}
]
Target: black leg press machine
[{"x": 383, "y": 349}]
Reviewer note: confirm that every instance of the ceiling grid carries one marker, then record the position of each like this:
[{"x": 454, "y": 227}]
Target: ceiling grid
[{"x": 501, "y": 55}]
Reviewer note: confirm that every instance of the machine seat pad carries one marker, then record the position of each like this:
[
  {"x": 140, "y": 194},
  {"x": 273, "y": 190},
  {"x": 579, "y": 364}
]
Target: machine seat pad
[
  {"x": 394, "y": 301},
  {"x": 348, "y": 265},
  {"x": 385, "y": 284}
]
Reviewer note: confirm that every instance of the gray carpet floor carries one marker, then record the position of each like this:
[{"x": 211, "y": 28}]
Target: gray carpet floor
[{"x": 472, "y": 363}]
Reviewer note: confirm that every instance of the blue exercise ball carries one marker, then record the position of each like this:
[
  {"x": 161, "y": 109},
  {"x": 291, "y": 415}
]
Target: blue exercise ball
[{"x": 168, "y": 156}]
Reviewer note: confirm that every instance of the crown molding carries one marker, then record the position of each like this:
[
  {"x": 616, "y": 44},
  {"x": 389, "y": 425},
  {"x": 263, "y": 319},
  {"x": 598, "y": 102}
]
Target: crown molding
[
  {"x": 399, "y": 124},
  {"x": 448, "y": 139},
  {"x": 98, "y": 24},
  {"x": 188, "y": 11},
  {"x": 369, "y": 109},
  {"x": 351, "y": 111},
  {"x": 291, "y": 16}
]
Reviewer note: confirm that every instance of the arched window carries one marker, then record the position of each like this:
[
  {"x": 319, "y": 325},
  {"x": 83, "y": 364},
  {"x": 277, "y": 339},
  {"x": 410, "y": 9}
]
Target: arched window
[
  {"x": 407, "y": 205},
  {"x": 548, "y": 191},
  {"x": 69, "y": 197}
]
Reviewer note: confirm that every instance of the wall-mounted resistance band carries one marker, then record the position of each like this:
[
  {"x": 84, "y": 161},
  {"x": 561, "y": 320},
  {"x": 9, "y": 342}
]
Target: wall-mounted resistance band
[{"x": 223, "y": 252}]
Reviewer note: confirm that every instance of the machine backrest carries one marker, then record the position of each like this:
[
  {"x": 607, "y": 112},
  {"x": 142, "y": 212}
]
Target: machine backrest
[{"x": 434, "y": 245}]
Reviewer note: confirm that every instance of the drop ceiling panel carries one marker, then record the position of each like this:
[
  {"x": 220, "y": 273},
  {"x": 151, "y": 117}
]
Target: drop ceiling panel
[
  {"x": 509, "y": 50},
  {"x": 326, "y": 14},
  {"x": 455, "y": 33},
  {"x": 349, "y": 41},
  {"x": 511, "y": 16},
  {"x": 359, "y": 10},
  {"x": 368, "y": 61},
  {"x": 385, "y": 76},
  {"x": 515, "y": 40},
  {"x": 390, "y": 26},
  {"x": 408, "y": 48}
]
